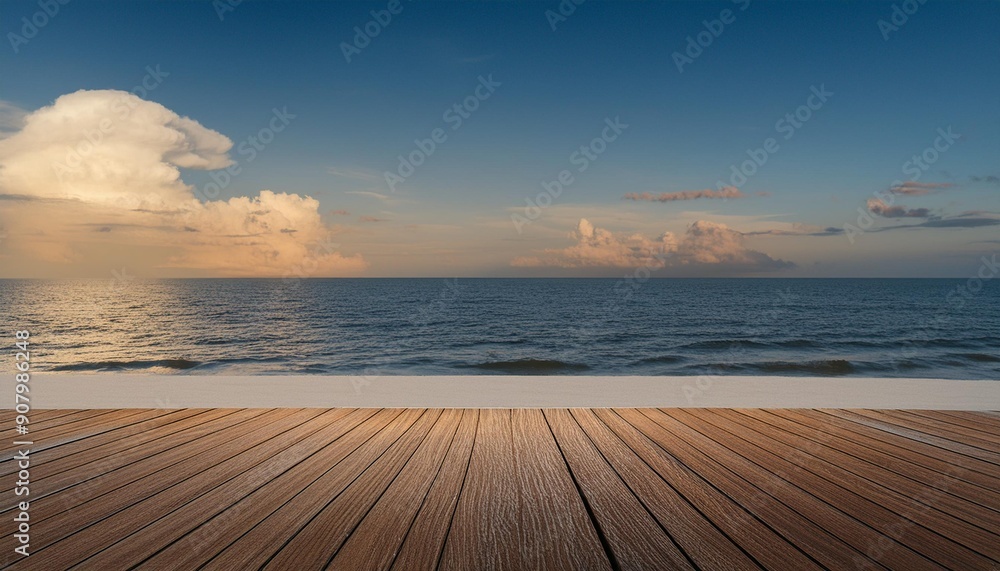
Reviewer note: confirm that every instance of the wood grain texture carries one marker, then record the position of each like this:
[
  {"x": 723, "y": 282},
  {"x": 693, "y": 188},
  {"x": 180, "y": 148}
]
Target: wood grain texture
[
  {"x": 763, "y": 544},
  {"x": 555, "y": 531},
  {"x": 389, "y": 520},
  {"x": 484, "y": 531},
  {"x": 764, "y": 494},
  {"x": 255, "y": 548},
  {"x": 415, "y": 489},
  {"x": 943, "y": 537},
  {"x": 424, "y": 542},
  {"x": 634, "y": 536},
  {"x": 842, "y": 511}
]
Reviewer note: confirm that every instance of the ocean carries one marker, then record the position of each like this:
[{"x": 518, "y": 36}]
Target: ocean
[{"x": 939, "y": 328}]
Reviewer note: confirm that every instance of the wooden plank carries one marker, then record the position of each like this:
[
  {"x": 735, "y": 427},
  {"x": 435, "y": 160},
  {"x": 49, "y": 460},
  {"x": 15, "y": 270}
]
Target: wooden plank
[
  {"x": 697, "y": 536},
  {"x": 80, "y": 427},
  {"x": 936, "y": 529},
  {"x": 315, "y": 545},
  {"x": 920, "y": 434},
  {"x": 255, "y": 548},
  {"x": 65, "y": 490},
  {"x": 635, "y": 538},
  {"x": 236, "y": 517},
  {"x": 101, "y": 492},
  {"x": 168, "y": 529},
  {"x": 425, "y": 538},
  {"x": 37, "y": 415},
  {"x": 555, "y": 531},
  {"x": 915, "y": 547},
  {"x": 768, "y": 496},
  {"x": 969, "y": 489},
  {"x": 974, "y": 437},
  {"x": 484, "y": 532},
  {"x": 81, "y": 450},
  {"x": 974, "y": 471},
  {"x": 96, "y": 527},
  {"x": 762, "y": 543},
  {"x": 961, "y": 418},
  {"x": 389, "y": 520},
  {"x": 45, "y": 423}
]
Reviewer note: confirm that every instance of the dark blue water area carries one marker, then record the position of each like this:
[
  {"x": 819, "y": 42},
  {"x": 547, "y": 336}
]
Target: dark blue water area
[{"x": 800, "y": 327}]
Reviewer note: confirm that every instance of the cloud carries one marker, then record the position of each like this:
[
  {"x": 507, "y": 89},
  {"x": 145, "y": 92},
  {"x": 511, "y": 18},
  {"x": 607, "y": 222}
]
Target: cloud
[
  {"x": 876, "y": 206},
  {"x": 960, "y": 223},
  {"x": 914, "y": 188},
  {"x": 704, "y": 245},
  {"x": 339, "y": 213},
  {"x": 799, "y": 229},
  {"x": 990, "y": 179},
  {"x": 358, "y": 174},
  {"x": 110, "y": 158},
  {"x": 370, "y": 219},
  {"x": 724, "y": 192},
  {"x": 957, "y": 222},
  {"x": 378, "y": 196}
]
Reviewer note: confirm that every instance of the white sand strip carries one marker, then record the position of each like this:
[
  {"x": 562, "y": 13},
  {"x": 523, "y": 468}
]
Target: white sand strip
[{"x": 190, "y": 391}]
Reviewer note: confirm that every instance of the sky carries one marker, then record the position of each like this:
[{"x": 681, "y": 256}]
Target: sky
[{"x": 499, "y": 139}]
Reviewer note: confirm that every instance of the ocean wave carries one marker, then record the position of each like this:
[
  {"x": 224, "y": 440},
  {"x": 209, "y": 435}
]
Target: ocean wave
[
  {"x": 825, "y": 367},
  {"x": 820, "y": 367},
  {"x": 978, "y": 357},
  {"x": 128, "y": 365},
  {"x": 529, "y": 367},
  {"x": 725, "y": 344},
  {"x": 660, "y": 359}
]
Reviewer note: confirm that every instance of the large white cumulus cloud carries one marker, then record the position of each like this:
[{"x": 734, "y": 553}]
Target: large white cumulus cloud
[{"x": 111, "y": 161}]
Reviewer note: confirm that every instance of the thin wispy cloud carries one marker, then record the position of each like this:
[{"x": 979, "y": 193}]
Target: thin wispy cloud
[
  {"x": 724, "y": 192},
  {"x": 988, "y": 179},
  {"x": 354, "y": 173},
  {"x": 799, "y": 230},
  {"x": 913, "y": 188},
  {"x": 376, "y": 195},
  {"x": 956, "y": 222}
]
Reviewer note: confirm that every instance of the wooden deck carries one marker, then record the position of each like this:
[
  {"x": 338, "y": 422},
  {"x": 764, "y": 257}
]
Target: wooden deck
[{"x": 456, "y": 489}]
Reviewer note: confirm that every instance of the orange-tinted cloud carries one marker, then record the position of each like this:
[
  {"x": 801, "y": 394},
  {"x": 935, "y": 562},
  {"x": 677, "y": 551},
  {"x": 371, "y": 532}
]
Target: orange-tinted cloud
[{"x": 110, "y": 159}]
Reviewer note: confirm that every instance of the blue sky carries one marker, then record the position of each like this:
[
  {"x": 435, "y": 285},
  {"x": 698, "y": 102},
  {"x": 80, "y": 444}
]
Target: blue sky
[{"x": 557, "y": 87}]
